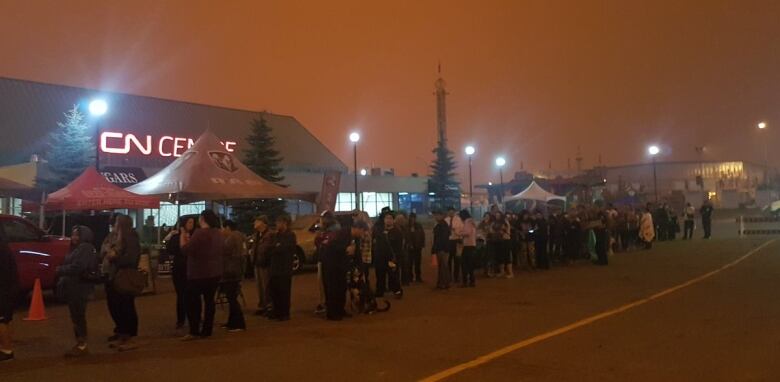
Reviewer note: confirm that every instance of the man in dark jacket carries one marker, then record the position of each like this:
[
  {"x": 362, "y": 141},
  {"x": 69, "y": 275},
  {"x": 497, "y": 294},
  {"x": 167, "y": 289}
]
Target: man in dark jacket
[
  {"x": 416, "y": 245},
  {"x": 281, "y": 255},
  {"x": 337, "y": 251},
  {"x": 9, "y": 284},
  {"x": 441, "y": 249},
  {"x": 387, "y": 246},
  {"x": 233, "y": 271},
  {"x": 706, "y": 218},
  {"x": 541, "y": 236}
]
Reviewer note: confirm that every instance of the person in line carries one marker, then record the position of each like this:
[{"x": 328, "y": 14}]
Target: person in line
[
  {"x": 204, "y": 270},
  {"x": 454, "y": 261},
  {"x": 72, "y": 286},
  {"x": 232, "y": 274},
  {"x": 491, "y": 242},
  {"x": 179, "y": 268},
  {"x": 689, "y": 214},
  {"x": 404, "y": 262},
  {"x": 328, "y": 227},
  {"x": 121, "y": 250},
  {"x": 416, "y": 245},
  {"x": 647, "y": 228},
  {"x": 572, "y": 237},
  {"x": 441, "y": 249},
  {"x": 339, "y": 250},
  {"x": 706, "y": 218},
  {"x": 9, "y": 285},
  {"x": 260, "y": 243},
  {"x": 541, "y": 237},
  {"x": 501, "y": 232},
  {"x": 387, "y": 245},
  {"x": 602, "y": 235},
  {"x": 468, "y": 234},
  {"x": 280, "y": 270}
]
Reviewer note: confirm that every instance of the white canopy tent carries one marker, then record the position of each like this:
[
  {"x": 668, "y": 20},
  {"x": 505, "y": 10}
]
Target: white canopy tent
[
  {"x": 209, "y": 172},
  {"x": 537, "y": 193}
]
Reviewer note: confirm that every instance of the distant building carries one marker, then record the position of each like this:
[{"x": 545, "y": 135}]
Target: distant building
[{"x": 727, "y": 183}]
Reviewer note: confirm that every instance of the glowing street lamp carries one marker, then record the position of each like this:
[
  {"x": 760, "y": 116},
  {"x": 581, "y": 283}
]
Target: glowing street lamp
[
  {"x": 354, "y": 137},
  {"x": 500, "y": 163},
  {"x": 654, "y": 151},
  {"x": 363, "y": 172},
  {"x": 470, "y": 150},
  {"x": 97, "y": 108},
  {"x": 762, "y": 126}
]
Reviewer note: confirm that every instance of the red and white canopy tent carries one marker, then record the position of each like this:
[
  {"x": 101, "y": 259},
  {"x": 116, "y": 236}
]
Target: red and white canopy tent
[{"x": 91, "y": 191}]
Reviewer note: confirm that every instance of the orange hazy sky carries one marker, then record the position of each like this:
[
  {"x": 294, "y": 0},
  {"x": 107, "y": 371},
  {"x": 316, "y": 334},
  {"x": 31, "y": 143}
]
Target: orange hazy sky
[{"x": 531, "y": 80}]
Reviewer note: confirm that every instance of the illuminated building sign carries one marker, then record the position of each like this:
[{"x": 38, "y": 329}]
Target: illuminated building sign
[{"x": 165, "y": 146}]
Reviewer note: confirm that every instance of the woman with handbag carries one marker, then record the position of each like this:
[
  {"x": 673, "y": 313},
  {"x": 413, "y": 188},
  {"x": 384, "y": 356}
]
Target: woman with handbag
[
  {"x": 121, "y": 252},
  {"x": 73, "y": 286}
]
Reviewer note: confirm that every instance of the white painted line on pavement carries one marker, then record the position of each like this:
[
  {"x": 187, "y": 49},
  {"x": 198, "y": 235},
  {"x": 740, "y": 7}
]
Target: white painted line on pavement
[{"x": 530, "y": 341}]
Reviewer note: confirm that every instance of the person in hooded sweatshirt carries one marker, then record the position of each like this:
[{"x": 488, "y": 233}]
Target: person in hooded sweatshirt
[{"x": 74, "y": 288}]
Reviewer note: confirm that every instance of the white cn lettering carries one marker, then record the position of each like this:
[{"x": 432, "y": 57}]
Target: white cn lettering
[
  {"x": 106, "y": 148},
  {"x": 161, "y": 146}
]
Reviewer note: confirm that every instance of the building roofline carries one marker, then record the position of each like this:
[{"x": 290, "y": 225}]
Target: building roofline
[{"x": 144, "y": 96}]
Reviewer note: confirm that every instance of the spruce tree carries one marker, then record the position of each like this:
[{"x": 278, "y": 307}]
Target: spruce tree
[
  {"x": 70, "y": 151},
  {"x": 442, "y": 182},
  {"x": 262, "y": 158}
]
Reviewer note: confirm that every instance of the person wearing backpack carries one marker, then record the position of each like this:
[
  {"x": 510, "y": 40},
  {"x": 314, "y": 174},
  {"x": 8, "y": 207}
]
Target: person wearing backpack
[
  {"x": 232, "y": 274},
  {"x": 74, "y": 287},
  {"x": 121, "y": 252}
]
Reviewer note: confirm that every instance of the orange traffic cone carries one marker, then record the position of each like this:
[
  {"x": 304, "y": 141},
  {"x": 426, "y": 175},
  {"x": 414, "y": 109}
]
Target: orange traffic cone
[{"x": 37, "y": 311}]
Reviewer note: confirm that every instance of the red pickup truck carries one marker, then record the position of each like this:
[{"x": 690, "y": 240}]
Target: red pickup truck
[{"x": 37, "y": 255}]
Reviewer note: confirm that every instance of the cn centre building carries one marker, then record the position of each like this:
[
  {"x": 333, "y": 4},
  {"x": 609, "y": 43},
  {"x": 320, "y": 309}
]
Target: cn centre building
[{"x": 140, "y": 135}]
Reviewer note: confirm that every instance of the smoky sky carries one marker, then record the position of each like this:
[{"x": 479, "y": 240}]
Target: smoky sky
[{"x": 529, "y": 80}]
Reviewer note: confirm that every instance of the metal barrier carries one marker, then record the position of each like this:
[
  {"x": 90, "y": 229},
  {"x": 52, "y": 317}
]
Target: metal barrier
[{"x": 768, "y": 225}]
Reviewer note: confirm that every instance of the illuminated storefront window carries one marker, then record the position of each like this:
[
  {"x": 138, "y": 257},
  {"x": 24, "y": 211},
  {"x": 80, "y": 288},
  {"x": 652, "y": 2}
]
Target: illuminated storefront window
[{"x": 371, "y": 202}]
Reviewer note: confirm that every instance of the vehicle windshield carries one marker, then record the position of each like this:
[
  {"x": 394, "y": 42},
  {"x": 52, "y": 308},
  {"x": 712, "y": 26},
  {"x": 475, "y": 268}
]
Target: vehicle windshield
[{"x": 304, "y": 222}]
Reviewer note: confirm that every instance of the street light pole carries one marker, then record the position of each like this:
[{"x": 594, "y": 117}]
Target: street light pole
[
  {"x": 355, "y": 137},
  {"x": 97, "y": 108},
  {"x": 655, "y": 180},
  {"x": 500, "y": 162},
  {"x": 469, "y": 152},
  {"x": 654, "y": 151},
  {"x": 762, "y": 126}
]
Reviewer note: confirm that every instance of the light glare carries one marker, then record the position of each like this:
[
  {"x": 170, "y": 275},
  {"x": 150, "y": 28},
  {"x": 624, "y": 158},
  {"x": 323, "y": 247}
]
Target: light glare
[
  {"x": 98, "y": 107},
  {"x": 354, "y": 137}
]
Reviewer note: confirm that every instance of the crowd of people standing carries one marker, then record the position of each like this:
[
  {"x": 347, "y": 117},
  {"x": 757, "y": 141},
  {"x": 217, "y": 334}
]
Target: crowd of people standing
[{"x": 210, "y": 258}]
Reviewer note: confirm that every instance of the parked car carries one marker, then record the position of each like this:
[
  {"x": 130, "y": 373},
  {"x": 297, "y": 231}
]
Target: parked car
[
  {"x": 37, "y": 255},
  {"x": 305, "y": 228}
]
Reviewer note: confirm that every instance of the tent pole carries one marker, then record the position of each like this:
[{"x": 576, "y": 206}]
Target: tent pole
[
  {"x": 159, "y": 225},
  {"x": 63, "y": 223}
]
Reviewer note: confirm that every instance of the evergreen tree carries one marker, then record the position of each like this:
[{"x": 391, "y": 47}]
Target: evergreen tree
[
  {"x": 442, "y": 181},
  {"x": 70, "y": 151},
  {"x": 262, "y": 158}
]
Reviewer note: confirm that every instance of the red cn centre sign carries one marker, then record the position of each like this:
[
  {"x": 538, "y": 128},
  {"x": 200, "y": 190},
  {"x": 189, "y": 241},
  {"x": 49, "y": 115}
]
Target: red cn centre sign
[{"x": 165, "y": 146}]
